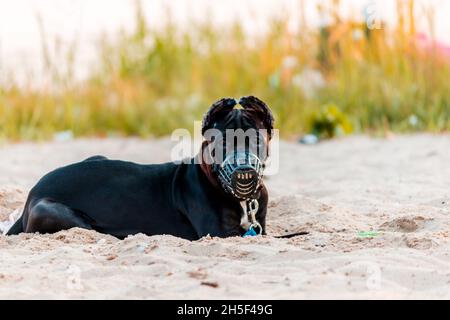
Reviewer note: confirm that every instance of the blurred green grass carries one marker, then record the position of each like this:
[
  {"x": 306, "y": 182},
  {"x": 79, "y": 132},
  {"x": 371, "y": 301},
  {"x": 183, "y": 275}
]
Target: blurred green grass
[{"x": 333, "y": 80}]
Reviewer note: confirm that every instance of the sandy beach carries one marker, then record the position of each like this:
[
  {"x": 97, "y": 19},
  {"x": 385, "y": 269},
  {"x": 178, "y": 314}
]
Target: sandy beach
[{"x": 377, "y": 212}]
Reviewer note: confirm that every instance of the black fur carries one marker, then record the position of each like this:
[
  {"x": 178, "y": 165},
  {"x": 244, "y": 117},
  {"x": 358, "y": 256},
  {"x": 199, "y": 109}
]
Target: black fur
[{"x": 124, "y": 198}]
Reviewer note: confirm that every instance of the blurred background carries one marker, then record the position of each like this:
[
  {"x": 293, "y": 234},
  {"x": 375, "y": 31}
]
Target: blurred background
[{"x": 71, "y": 68}]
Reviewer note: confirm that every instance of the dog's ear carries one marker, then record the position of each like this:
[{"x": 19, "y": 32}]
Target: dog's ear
[
  {"x": 254, "y": 105},
  {"x": 217, "y": 110}
]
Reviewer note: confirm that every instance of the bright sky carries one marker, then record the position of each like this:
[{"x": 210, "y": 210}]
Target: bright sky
[{"x": 84, "y": 20}]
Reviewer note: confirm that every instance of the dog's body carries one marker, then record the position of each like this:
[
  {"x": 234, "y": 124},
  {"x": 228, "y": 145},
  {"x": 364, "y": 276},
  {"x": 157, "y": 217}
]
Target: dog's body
[{"x": 123, "y": 198}]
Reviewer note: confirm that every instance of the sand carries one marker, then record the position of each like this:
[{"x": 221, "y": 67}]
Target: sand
[{"x": 398, "y": 188}]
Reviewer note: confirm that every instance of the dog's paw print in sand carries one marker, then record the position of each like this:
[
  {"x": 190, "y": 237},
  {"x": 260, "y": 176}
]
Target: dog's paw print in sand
[
  {"x": 405, "y": 224},
  {"x": 419, "y": 243},
  {"x": 416, "y": 231}
]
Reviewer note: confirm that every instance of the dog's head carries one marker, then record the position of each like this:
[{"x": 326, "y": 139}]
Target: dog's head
[{"x": 237, "y": 144}]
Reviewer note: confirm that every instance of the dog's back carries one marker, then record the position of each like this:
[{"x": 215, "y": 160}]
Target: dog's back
[{"x": 101, "y": 192}]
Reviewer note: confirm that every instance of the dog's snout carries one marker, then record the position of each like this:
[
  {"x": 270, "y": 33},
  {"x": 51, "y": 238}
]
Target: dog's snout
[{"x": 244, "y": 181}]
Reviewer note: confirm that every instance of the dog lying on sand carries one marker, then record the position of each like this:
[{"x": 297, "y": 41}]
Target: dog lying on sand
[{"x": 220, "y": 192}]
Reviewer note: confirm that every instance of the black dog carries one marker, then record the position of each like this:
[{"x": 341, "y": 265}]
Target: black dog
[{"x": 188, "y": 200}]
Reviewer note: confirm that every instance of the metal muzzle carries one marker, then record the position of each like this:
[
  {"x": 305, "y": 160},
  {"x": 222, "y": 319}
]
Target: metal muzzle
[{"x": 240, "y": 174}]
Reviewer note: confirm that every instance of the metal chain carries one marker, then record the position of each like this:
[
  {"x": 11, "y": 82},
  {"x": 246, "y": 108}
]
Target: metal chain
[{"x": 252, "y": 209}]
